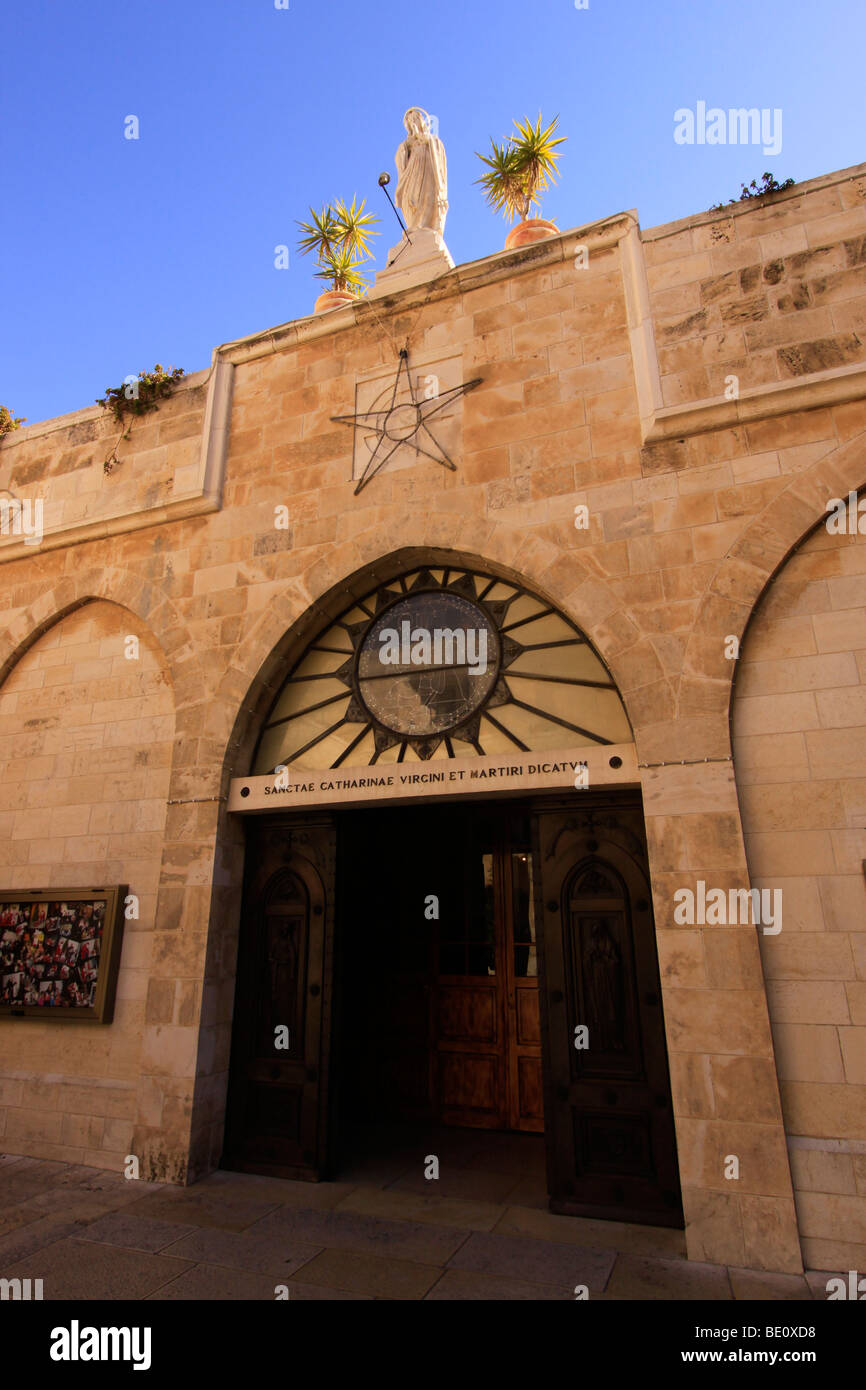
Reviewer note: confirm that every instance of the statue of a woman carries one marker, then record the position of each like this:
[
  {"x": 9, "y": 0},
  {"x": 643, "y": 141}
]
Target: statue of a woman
[{"x": 422, "y": 188}]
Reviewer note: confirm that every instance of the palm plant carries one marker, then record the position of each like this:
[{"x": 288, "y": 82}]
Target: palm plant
[
  {"x": 521, "y": 168},
  {"x": 340, "y": 236},
  {"x": 9, "y": 422}
]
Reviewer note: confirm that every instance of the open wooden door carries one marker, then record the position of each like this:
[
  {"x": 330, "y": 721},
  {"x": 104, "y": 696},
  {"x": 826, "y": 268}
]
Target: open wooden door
[
  {"x": 487, "y": 1044},
  {"x": 611, "y": 1148},
  {"x": 277, "y": 1103}
]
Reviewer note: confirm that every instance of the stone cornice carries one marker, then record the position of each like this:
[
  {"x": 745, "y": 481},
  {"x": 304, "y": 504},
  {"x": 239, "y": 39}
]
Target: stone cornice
[
  {"x": 502, "y": 265},
  {"x": 742, "y": 207},
  {"x": 834, "y": 387}
]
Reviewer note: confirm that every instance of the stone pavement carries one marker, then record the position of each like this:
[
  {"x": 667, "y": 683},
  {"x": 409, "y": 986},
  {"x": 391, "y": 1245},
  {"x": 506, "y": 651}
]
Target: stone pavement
[{"x": 382, "y": 1231}]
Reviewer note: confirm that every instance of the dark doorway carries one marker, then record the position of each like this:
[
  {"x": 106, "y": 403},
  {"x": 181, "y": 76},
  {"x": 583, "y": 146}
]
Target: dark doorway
[
  {"x": 437, "y": 959},
  {"x": 435, "y": 967}
]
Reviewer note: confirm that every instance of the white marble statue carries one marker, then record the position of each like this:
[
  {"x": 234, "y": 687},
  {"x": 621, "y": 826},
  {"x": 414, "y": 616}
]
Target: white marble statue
[{"x": 422, "y": 188}]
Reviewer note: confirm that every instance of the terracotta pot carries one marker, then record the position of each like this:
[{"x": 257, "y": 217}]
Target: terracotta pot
[
  {"x": 533, "y": 229},
  {"x": 332, "y": 299}
]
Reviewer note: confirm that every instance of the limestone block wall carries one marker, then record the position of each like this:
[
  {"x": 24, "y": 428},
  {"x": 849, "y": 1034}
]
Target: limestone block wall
[
  {"x": 800, "y": 755},
  {"x": 768, "y": 293},
  {"x": 62, "y": 463},
  {"x": 85, "y": 751}
]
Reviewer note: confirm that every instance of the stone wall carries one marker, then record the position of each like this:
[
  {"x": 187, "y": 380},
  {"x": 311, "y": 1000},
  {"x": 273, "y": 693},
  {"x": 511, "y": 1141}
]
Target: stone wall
[
  {"x": 85, "y": 753},
  {"x": 800, "y": 754},
  {"x": 157, "y": 470},
  {"x": 766, "y": 293}
]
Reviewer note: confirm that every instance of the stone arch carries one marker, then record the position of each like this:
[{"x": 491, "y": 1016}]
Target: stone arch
[
  {"x": 247, "y": 689},
  {"x": 561, "y": 577},
  {"x": 153, "y": 608},
  {"x": 113, "y": 585},
  {"x": 798, "y": 720},
  {"x": 744, "y": 574},
  {"x": 88, "y": 797}
]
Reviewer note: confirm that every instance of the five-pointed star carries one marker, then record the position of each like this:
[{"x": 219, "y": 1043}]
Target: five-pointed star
[{"x": 397, "y": 424}]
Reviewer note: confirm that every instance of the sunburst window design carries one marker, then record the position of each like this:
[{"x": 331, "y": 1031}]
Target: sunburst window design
[{"x": 439, "y": 664}]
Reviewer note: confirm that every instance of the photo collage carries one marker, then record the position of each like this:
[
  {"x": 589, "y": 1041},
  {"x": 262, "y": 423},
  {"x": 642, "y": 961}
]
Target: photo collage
[{"x": 50, "y": 952}]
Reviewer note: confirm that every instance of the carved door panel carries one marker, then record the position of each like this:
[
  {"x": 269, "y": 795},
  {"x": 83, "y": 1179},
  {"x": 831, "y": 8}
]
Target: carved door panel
[
  {"x": 277, "y": 1105},
  {"x": 611, "y": 1148}
]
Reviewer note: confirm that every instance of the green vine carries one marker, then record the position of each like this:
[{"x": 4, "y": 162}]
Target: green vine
[
  {"x": 769, "y": 185},
  {"x": 137, "y": 397},
  {"x": 10, "y": 422}
]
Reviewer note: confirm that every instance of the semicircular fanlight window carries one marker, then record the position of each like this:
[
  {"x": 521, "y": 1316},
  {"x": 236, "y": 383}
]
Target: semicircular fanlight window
[{"x": 438, "y": 664}]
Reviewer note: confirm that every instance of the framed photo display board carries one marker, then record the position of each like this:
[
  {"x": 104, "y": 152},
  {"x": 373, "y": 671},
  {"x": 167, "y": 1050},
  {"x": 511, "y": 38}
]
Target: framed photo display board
[{"x": 60, "y": 953}]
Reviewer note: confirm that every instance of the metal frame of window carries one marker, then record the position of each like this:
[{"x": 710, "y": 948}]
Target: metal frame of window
[{"x": 422, "y": 580}]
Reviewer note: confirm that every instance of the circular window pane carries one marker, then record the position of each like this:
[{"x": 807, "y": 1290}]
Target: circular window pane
[{"x": 427, "y": 663}]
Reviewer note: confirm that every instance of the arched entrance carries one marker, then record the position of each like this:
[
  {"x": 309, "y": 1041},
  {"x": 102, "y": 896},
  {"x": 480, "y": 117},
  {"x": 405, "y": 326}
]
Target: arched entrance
[{"x": 421, "y": 942}]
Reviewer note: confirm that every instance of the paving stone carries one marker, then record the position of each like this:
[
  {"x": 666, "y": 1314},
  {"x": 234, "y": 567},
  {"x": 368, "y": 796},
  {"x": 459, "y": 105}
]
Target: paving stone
[
  {"x": 529, "y": 1191},
  {"x": 217, "y": 1283},
  {"x": 77, "y": 1269},
  {"x": 757, "y": 1284},
  {"x": 84, "y": 1203},
  {"x": 313, "y": 1293},
  {"x": 511, "y": 1153},
  {"x": 348, "y": 1230},
  {"x": 22, "y": 1214},
  {"x": 278, "y": 1191},
  {"x": 133, "y": 1232},
  {"x": 35, "y": 1236},
  {"x": 19, "y": 1183},
  {"x": 472, "y": 1185},
  {"x": 203, "y": 1208},
  {"x": 368, "y": 1274},
  {"x": 461, "y": 1285},
  {"x": 577, "y": 1230},
  {"x": 260, "y": 1252},
  {"x": 374, "y": 1172},
  {"x": 634, "y": 1277},
  {"x": 410, "y": 1206},
  {"x": 535, "y": 1261}
]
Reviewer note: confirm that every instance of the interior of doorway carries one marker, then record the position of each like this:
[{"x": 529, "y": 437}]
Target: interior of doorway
[{"x": 437, "y": 1044}]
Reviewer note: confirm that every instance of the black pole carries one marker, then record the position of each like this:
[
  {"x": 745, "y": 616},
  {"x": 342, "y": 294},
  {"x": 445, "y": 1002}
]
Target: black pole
[{"x": 384, "y": 180}]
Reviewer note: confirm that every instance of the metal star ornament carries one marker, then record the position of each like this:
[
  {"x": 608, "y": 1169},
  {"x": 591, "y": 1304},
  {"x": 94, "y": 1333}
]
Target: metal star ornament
[{"x": 400, "y": 424}]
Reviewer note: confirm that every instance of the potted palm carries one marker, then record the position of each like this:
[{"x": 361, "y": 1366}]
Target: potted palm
[
  {"x": 518, "y": 172},
  {"x": 340, "y": 237}
]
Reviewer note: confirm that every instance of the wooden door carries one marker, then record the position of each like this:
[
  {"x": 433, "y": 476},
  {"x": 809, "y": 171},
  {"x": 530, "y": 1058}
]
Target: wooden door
[
  {"x": 523, "y": 1034},
  {"x": 611, "y": 1148},
  {"x": 277, "y": 1104},
  {"x": 487, "y": 1048},
  {"x": 469, "y": 1061}
]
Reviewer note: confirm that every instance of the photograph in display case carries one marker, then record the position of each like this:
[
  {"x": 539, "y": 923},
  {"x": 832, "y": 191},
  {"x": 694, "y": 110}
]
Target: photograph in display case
[{"x": 60, "y": 951}]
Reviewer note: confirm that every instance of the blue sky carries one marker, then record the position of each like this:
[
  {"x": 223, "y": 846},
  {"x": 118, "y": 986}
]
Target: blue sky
[{"x": 120, "y": 253}]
